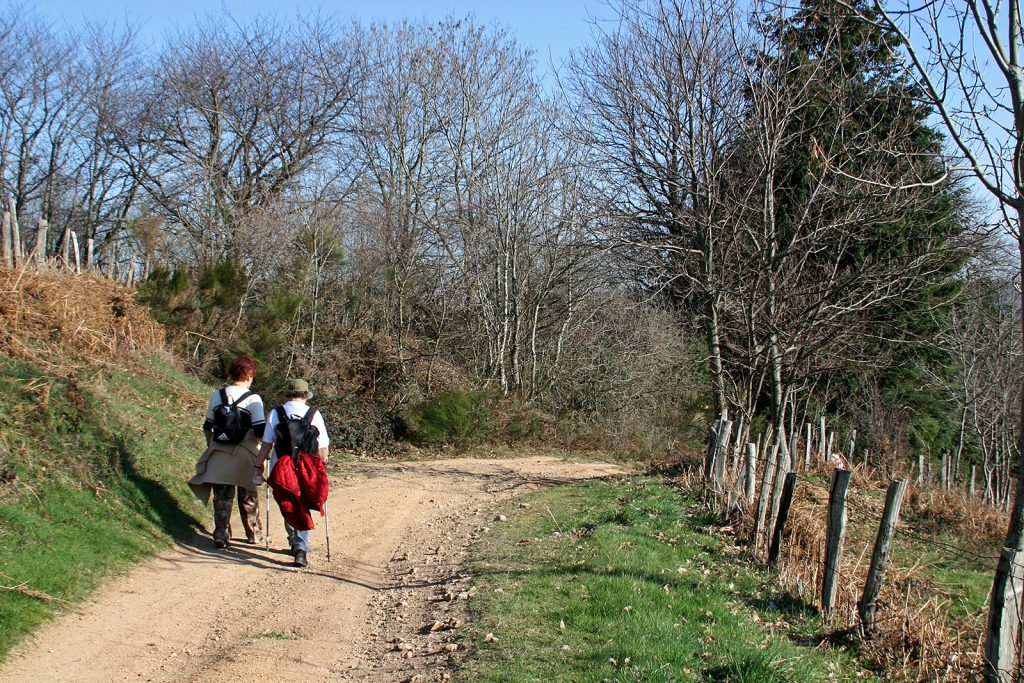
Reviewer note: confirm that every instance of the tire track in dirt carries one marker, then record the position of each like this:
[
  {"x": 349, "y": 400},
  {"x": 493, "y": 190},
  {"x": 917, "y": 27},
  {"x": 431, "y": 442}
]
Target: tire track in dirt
[{"x": 198, "y": 614}]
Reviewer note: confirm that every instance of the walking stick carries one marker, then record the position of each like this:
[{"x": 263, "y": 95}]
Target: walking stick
[
  {"x": 327, "y": 527},
  {"x": 266, "y": 529}
]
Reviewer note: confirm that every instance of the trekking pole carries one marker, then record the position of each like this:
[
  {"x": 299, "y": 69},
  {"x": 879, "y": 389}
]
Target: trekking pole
[
  {"x": 327, "y": 528},
  {"x": 266, "y": 530}
]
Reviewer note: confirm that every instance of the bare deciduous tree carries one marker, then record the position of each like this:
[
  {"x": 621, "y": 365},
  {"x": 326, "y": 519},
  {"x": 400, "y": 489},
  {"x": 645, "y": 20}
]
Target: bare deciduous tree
[
  {"x": 968, "y": 59},
  {"x": 662, "y": 104},
  {"x": 233, "y": 116}
]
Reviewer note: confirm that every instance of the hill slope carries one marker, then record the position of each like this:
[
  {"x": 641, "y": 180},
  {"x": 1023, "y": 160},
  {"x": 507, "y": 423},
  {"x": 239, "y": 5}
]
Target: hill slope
[{"x": 96, "y": 442}]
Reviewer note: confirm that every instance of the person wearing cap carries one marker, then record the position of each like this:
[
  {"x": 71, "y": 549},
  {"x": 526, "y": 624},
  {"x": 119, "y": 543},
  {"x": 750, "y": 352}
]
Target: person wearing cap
[{"x": 297, "y": 395}]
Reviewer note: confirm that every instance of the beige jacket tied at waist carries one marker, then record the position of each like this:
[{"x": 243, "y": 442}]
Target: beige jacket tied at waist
[{"x": 224, "y": 463}]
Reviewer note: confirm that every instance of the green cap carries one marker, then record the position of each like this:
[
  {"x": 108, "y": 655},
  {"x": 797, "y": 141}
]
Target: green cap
[{"x": 297, "y": 385}]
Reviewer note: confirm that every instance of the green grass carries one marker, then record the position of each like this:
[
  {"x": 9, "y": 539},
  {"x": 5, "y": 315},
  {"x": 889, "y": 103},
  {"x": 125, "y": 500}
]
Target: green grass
[
  {"x": 274, "y": 635},
  {"x": 963, "y": 582},
  {"x": 92, "y": 479},
  {"x": 627, "y": 582}
]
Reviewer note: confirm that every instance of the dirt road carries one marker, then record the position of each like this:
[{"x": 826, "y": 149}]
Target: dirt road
[{"x": 398, "y": 531}]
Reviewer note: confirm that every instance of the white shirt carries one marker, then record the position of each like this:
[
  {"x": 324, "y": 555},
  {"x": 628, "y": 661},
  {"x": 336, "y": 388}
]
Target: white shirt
[
  {"x": 253, "y": 405},
  {"x": 297, "y": 409}
]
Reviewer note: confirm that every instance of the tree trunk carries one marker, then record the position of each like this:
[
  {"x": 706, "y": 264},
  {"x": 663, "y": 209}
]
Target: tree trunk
[
  {"x": 1004, "y": 621},
  {"x": 715, "y": 352},
  {"x": 1015, "y": 530}
]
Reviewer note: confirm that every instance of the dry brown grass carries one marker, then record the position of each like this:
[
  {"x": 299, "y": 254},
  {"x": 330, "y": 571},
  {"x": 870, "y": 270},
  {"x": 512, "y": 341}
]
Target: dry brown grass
[
  {"x": 938, "y": 511},
  {"x": 63, "y": 322}
]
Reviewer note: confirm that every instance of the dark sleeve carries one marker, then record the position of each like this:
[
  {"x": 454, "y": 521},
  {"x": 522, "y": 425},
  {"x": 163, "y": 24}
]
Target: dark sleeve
[{"x": 208, "y": 425}]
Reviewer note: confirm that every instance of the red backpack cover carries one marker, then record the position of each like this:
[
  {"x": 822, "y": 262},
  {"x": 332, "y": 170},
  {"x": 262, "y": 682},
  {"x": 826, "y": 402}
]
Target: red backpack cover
[{"x": 300, "y": 486}]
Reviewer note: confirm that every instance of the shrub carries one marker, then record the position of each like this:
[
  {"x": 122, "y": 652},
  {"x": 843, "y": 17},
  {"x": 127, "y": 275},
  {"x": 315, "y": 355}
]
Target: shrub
[{"x": 458, "y": 418}]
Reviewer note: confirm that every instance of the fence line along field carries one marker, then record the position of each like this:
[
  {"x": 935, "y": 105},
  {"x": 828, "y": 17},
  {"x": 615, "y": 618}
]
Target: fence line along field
[
  {"x": 755, "y": 220},
  {"x": 902, "y": 567}
]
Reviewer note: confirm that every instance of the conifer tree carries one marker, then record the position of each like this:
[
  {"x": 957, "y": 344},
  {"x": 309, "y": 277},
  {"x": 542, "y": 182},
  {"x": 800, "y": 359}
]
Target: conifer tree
[{"x": 861, "y": 132}]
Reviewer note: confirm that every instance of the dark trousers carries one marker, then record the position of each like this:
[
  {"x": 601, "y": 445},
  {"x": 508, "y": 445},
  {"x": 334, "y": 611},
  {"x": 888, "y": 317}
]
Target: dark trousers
[{"x": 248, "y": 510}]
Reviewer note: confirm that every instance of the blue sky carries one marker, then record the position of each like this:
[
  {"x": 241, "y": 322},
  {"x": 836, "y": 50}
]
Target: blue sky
[{"x": 550, "y": 27}]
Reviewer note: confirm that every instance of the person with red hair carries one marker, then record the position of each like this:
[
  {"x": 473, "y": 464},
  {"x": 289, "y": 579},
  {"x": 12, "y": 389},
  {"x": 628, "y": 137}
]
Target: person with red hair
[{"x": 234, "y": 424}]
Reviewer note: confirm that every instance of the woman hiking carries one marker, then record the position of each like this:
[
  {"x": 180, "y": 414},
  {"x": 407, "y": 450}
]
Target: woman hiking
[{"x": 234, "y": 423}]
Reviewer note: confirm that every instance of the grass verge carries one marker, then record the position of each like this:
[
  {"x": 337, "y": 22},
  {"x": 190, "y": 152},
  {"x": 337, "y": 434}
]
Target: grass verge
[
  {"x": 92, "y": 479},
  {"x": 627, "y": 581}
]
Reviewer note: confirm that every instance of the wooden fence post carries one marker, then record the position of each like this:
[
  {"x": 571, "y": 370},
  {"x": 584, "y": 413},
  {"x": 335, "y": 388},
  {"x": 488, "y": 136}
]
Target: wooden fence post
[
  {"x": 65, "y": 248},
  {"x": 853, "y": 445},
  {"x": 780, "y": 523},
  {"x": 880, "y": 556},
  {"x": 834, "y": 537},
  {"x": 720, "y": 455},
  {"x": 829, "y": 447},
  {"x": 90, "y": 246},
  {"x": 737, "y": 449},
  {"x": 751, "y": 473},
  {"x": 822, "y": 442},
  {"x": 945, "y": 471},
  {"x": 807, "y": 446},
  {"x": 920, "y": 470},
  {"x": 42, "y": 230},
  {"x": 112, "y": 250},
  {"x": 763, "y": 498},
  {"x": 19, "y": 252},
  {"x": 709, "y": 457},
  {"x": 1004, "y": 618},
  {"x": 77, "y": 250},
  {"x": 7, "y": 247},
  {"x": 781, "y": 469},
  {"x": 974, "y": 469},
  {"x": 794, "y": 452}
]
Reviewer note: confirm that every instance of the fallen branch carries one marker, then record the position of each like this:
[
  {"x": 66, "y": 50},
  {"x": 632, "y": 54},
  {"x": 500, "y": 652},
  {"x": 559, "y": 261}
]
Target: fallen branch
[{"x": 24, "y": 589}]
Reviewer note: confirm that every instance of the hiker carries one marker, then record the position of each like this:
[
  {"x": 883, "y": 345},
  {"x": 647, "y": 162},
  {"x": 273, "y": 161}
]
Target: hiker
[
  {"x": 298, "y": 435},
  {"x": 234, "y": 423}
]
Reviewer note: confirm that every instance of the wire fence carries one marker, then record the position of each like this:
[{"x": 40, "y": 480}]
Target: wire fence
[{"x": 927, "y": 626}]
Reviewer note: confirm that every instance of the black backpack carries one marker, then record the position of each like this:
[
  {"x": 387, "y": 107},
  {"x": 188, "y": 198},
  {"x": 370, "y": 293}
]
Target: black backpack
[
  {"x": 231, "y": 424},
  {"x": 293, "y": 435}
]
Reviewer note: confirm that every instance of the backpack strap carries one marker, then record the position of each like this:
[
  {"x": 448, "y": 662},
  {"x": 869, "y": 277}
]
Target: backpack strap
[
  {"x": 227, "y": 402},
  {"x": 282, "y": 416},
  {"x": 308, "y": 417}
]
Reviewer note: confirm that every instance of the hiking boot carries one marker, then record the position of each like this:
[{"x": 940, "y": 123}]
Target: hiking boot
[
  {"x": 220, "y": 543},
  {"x": 300, "y": 558},
  {"x": 254, "y": 539}
]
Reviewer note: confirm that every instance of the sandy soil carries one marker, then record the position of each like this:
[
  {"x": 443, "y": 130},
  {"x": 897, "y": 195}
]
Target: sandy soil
[{"x": 398, "y": 534}]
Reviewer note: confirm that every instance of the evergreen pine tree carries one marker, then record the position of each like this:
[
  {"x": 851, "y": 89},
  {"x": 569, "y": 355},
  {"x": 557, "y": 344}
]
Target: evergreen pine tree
[{"x": 866, "y": 117}]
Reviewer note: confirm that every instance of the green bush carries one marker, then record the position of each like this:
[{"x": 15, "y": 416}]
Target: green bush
[
  {"x": 457, "y": 418},
  {"x": 361, "y": 424}
]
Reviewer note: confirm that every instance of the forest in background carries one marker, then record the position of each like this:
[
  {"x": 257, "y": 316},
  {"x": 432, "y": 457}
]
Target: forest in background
[{"x": 708, "y": 212}]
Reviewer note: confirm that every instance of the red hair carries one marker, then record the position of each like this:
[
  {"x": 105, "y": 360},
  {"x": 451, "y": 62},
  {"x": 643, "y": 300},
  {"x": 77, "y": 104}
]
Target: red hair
[{"x": 242, "y": 368}]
